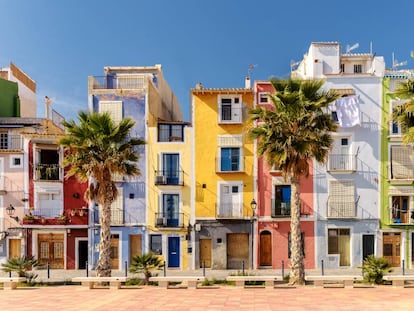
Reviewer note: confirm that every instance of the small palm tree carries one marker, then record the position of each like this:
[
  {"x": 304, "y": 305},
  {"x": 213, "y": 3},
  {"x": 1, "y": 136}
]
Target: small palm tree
[
  {"x": 374, "y": 269},
  {"x": 97, "y": 149},
  {"x": 20, "y": 265},
  {"x": 145, "y": 264},
  {"x": 294, "y": 132},
  {"x": 404, "y": 113}
]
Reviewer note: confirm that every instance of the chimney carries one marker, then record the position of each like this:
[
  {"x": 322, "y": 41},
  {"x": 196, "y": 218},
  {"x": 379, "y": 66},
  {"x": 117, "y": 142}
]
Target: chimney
[
  {"x": 199, "y": 86},
  {"x": 247, "y": 83},
  {"x": 48, "y": 101}
]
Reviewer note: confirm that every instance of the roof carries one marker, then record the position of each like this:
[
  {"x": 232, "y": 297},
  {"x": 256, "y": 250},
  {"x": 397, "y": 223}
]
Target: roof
[{"x": 222, "y": 90}]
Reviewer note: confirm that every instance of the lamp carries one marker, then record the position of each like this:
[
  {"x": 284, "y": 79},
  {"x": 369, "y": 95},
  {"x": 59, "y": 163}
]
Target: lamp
[
  {"x": 10, "y": 211},
  {"x": 253, "y": 206}
]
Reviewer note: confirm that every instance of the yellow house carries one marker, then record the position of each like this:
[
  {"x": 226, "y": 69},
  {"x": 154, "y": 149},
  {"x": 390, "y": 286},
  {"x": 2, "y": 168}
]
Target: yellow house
[
  {"x": 223, "y": 185},
  {"x": 169, "y": 195}
]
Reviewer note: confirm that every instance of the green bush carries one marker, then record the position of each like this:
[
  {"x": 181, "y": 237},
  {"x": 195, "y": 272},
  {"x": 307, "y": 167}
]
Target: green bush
[
  {"x": 21, "y": 265},
  {"x": 145, "y": 264},
  {"x": 374, "y": 269}
]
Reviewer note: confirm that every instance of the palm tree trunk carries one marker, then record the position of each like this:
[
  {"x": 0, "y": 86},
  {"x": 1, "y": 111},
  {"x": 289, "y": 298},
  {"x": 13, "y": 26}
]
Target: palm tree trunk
[
  {"x": 297, "y": 269},
  {"x": 104, "y": 262}
]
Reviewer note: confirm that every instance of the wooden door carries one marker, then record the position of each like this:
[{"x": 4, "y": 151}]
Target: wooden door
[
  {"x": 51, "y": 250},
  {"x": 115, "y": 251},
  {"x": 392, "y": 248},
  {"x": 237, "y": 250},
  {"x": 205, "y": 253},
  {"x": 15, "y": 248},
  {"x": 265, "y": 248},
  {"x": 135, "y": 246}
]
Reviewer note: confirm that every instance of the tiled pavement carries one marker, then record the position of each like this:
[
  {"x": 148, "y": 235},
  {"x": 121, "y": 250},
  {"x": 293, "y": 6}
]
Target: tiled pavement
[{"x": 66, "y": 298}]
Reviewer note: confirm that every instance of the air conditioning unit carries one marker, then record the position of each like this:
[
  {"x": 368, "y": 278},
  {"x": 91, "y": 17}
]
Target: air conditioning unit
[
  {"x": 160, "y": 180},
  {"x": 162, "y": 221}
]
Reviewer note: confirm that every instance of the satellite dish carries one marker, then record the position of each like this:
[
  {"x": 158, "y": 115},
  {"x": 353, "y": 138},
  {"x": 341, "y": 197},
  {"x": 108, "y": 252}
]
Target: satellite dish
[{"x": 352, "y": 47}]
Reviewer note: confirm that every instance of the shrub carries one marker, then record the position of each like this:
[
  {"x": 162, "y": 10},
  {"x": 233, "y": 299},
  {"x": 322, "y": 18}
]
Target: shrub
[
  {"x": 145, "y": 264},
  {"x": 374, "y": 269},
  {"x": 21, "y": 265}
]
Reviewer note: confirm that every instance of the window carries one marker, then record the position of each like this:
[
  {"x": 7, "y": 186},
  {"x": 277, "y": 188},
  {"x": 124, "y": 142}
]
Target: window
[
  {"x": 339, "y": 243},
  {"x": 47, "y": 163},
  {"x": 50, "y": 204},
  {"x": 230, "y": 160},
  {"x": 16, "y": 161},
  {"x": 341, "y": 200},
  {"x": 156, "y": 244},
  {"x": 264, "y": 98},
  {"x": 171, "y": 209},
  {"x": 4, "y": 141},
  {"x": 230, "y": 200},
  {"x": 302, "y": 236},
  {"x": 230, "y": 153},
  {"x": 402, "y": 164},
  {"x": 114, "y": 108},
  {"x": 170, "y": 132},
  {"x": 117, "y": 208},
  {"x": 170, "y": 172},
  {"x": 400, "y": 209},
  {"x": 341, "y": 158},
  {"x": 230, "y": 109},
  {"x": 357, "y": 68},
  {"x": 281, "y": 204}
]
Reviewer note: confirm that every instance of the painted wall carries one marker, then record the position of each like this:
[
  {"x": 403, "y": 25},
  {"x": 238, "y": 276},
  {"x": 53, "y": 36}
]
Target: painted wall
[
  {"x": 9, "y": 99},
  {"x": 155, "y": 192},
  {"x": 206, "y": 131}
]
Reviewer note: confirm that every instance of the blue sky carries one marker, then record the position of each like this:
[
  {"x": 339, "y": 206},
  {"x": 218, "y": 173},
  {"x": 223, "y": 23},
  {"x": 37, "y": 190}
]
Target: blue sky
[{"x": 60, "y": 43}]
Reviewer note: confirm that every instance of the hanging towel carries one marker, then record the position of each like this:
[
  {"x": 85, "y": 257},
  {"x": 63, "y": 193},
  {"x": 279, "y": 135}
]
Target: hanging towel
[{"x": 347, "y": 110}]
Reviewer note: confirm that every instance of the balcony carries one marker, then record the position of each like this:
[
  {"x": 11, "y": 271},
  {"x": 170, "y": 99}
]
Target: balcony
[
  {"x": 47, "y": 172},
  {"x": 117, "y": 82},
  {"x": 169, "y": 220},
  {"x": 342, "y": 163},
  {"x": 280, "y": 209},
  {"x": 169, "y": 178},
  {"x": 10, "y": 142},
  {"x": 229, "y": 211}
]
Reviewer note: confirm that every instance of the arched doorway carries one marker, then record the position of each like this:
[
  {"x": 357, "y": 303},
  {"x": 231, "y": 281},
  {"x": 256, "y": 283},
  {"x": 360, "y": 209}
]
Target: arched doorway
[{"x": 265, "y": 248}]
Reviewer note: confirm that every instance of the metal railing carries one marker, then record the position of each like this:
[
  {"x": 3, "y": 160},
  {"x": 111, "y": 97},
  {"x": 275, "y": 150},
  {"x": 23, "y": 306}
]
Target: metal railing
[
  {"x": 45, "y": 212},
  {"x": 11, "y": 142},
  {"x": 169, "y": 220},
  {"x": 342, "y": 162},
  {"x": 47, "y": 172},
  {"x": 280, "y": 209},
  {"x": 117, "y": 82},
  {"x": 169, "y": 178},
  {"x": 230, "y": 210}
]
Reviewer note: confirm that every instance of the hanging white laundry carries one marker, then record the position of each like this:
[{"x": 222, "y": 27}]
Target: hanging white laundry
[{"x": 347, "y": 110}]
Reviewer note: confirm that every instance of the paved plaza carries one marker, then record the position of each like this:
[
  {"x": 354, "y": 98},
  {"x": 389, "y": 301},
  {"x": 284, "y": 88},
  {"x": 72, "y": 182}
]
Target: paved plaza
[{"x": 74, "y": 297}]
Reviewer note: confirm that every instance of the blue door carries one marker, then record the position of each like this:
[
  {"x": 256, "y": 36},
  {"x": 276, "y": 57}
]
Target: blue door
[
  {"x": 173, "y": 252},
  {"x": 171, "y": 162},
  {"x": 171, "y": 209}
]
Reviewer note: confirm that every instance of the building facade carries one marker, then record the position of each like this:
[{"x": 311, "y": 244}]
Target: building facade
[
  {"x": 273, "y": 206},
  {"x": 346, "y": 188},
  {"x": 142, "y": 94},
  {"x": 223, "y": 178}
]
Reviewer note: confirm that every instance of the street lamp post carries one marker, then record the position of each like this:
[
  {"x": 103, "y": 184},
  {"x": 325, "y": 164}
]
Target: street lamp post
[
  {"x": 253, "y": 206},
  {"x": 10, "y": 211}
]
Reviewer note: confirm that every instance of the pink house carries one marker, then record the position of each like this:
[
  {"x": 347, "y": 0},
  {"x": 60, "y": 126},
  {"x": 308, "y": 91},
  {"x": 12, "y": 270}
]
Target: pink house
[{"x": 273, "y": 207}]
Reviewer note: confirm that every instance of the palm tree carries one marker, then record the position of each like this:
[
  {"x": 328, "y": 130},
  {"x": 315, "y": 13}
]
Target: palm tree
[
  {"x": 404, "y": 113},
  {"x": 146, "y": 263},
  {"x": 96, "y": 150},
  {"x": 20, "y": 265},
  {"x": 294, "y": 132}
]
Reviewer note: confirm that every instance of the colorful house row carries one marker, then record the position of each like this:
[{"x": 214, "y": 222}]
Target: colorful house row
[{"x": 204, "y": 198}]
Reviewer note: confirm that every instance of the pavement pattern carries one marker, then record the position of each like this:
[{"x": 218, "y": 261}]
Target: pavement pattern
[{"x": 228, "y": 298}]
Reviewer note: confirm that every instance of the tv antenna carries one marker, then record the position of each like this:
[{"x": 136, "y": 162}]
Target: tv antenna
[
  {"x": 396, "y": 63},
  {"x": 250, "y": 69},
  {"x": 352, "y": 47}
]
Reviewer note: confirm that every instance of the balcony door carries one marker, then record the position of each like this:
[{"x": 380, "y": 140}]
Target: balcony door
[
  {"x": 171, "y": 209},
  {"x": 171, "y": 167}
]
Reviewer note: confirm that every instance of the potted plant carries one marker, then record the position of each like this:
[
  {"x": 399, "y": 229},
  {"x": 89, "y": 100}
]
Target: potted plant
[
  {"x": 61, "y": 219},
  {"x": 73, "y": 212},
  {"x": 81, "y": 212},
  {"x": 29, "y": 218}
]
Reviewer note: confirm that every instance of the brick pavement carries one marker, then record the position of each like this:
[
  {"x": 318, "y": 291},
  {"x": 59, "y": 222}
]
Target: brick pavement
[{"x": 68, "y": 298}]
